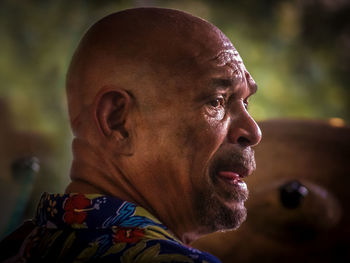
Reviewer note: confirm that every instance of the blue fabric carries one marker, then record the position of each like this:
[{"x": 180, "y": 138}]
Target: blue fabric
[{"x": 96, "y": 228}]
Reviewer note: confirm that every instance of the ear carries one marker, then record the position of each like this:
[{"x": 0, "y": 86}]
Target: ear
[{"x": 113, "y": 118}]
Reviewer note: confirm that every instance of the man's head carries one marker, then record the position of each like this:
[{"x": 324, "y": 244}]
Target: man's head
[{"x": 158, "y": 105}]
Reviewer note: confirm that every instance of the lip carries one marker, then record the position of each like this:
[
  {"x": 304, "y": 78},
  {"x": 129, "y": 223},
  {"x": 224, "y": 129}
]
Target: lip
[
  {"x": 230, "y": 185},
  {"x": 238, "y": 171},
  {"x": 231, "y": 177}
]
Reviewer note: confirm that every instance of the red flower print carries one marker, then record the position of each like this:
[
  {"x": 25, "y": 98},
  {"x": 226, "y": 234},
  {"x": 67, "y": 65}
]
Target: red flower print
[
  {"x": 128, "y": 234},
  {"x": 74, "y": 207}
]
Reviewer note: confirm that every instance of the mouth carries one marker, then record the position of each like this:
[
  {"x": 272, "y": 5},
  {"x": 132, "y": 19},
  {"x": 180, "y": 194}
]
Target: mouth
[
  {"x": 233, "y": 175},
  {"x": 232, "y": 180},
  {"x": 227, "y": 172},
  {"x": 230, "y": 184},
  {"x": 230, "y": 177}
]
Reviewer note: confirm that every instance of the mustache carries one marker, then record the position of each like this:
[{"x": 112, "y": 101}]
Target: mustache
[{"x": 241, "y": 161}]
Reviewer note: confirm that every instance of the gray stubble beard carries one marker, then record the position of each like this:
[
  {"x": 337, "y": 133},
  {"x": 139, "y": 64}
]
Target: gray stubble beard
[{"x": 213, "y": 215}]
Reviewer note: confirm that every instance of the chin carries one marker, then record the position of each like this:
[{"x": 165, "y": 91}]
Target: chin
[
  {"x": 229, "y": 218},
  {"x": 214, "y": 214}
]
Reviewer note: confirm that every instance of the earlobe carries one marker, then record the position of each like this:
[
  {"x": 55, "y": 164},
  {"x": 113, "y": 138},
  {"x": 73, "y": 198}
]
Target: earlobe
[{"x": 112, "y": 116}]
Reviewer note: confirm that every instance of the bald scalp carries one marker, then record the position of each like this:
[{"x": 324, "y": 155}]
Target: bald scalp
[{"x": 133, "y": 50}]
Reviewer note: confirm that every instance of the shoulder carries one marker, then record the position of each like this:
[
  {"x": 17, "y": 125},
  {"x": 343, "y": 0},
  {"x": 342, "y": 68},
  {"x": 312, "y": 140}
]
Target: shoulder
[
  {"x": 158, "y": 250},
  {"x": 177, "y": 251},
  {"x": 152, "y": 244},
  {"x": 12, "y": 243}
]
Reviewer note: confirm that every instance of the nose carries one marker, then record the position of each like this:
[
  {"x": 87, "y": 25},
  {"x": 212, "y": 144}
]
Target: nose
[{"x": 243, "y": 130}]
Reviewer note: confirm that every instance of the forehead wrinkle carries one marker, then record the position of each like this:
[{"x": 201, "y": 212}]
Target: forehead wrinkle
[
  {"x": 238, "y": 74},
  {"x": 226, "y": 56},
  {"x": 231, "y": 59}
]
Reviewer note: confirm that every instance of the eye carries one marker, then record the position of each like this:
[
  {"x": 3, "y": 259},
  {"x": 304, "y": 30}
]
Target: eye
[
  {"x": 245, "y": 104},
  {"x": 216, "y": 107},
  {"x": 217, "y": 102}
]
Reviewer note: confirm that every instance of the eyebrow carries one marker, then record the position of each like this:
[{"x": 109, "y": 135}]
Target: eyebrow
[{"x": 224, "y": 83}]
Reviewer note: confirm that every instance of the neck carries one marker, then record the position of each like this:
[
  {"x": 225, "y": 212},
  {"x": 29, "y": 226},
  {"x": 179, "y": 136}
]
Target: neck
[{"x": 93, "y": 172}]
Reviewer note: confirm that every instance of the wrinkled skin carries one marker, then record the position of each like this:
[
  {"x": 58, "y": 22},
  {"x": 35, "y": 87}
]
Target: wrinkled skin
[{"x": 158, "y": 107}]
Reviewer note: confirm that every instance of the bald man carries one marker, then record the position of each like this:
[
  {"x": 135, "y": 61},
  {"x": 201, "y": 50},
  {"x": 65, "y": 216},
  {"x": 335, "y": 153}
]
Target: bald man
[{"x": 157, "y": 101}]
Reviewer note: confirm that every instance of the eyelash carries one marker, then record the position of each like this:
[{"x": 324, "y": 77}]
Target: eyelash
[
  {"x": 246, "y": 104},
  {"x": 221, "y": 102}
]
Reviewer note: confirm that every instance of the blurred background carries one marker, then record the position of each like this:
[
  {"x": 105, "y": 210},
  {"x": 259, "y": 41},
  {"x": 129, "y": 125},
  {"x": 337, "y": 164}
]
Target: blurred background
[{"x": 298, "y": 51}]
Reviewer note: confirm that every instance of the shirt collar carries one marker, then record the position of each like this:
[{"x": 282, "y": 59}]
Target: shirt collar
[{"x": 91, "y": 211}]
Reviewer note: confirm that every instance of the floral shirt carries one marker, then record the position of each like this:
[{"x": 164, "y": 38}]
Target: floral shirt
[{"x": 96, "y": 228}]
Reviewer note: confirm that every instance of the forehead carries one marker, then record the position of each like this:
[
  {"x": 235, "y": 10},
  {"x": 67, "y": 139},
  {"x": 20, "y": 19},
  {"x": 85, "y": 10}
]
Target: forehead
[
  {"x": 224, "y": 64},
  {"x": 205, "y": 74},
  {"x": 229, "y": 63},
  {"x": 228, "y": 57},
  {"x": 193, "y": 64}
]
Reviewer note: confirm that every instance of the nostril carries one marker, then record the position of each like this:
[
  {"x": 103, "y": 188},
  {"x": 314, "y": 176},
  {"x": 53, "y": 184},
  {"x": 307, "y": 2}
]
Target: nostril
[
  {"x": 292, "y": 194},
  {"x": 243, "y": 141}
]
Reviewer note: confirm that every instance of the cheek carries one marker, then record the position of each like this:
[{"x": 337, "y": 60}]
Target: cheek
[
  {"x": 202, "y": 137},
  {"x": 201, "y": 141}
]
